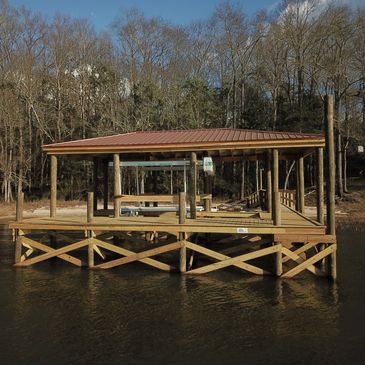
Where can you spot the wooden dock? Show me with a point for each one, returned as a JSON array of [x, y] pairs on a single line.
[[298, 240], [244, 240]]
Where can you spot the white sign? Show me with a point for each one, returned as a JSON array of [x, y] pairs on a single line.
[[242, 230], [360, 149], [208, 164]]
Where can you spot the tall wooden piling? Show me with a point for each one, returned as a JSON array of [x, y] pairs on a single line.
[[106, 184], [182, 218], [301, 185], [95, 182], [193, 184], [276, 206], [90, 203], [19, 218], [268, 183], [53, 198], [330, 180], [117, 185], [330, 165], [319, 185]]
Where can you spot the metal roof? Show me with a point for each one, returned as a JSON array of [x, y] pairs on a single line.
[[147, 140]]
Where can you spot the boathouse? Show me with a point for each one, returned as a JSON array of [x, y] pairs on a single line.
[[277, 238]]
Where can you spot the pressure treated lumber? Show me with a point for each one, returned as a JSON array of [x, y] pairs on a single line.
[[182, 220], [275, 188], [53, 196], [268, 183], [117, 184], [193, 184], [301, 187], [106, 184], [320, 185]]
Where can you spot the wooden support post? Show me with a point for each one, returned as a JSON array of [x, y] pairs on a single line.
[[90, 203], [106, 184], [117, 185], [193, 183], [95, 182], [53, 198], [278, 263], [319, 185], [18, 247], [182, 217], [276, 206], [19, 207], [330, 165], [268, 183], [300, 189]]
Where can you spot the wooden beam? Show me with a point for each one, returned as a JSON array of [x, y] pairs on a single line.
[[234, 260], [106, 183], [140, 255], [304, 265], [53, 253], [19, 207], [53, 198], [330, 165], [193, 184], [222, 257], [295, 257], [117, 185], [125, 252], [301, 250], [276, 205], [44, 248]]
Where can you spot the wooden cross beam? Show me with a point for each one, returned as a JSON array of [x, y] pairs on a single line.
[[221, 257], [300, 250], [125, 252], [307, 263], [295, 257], [140, 255], [50, 252], [234, 260]]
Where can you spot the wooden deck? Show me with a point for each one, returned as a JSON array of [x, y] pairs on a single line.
[[212, 222]]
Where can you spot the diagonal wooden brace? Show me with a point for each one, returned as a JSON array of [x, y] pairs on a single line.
[[304, 265], [221, 257], [293, 256], [140, 255], [301, 250], [50, 252], [125, 252], [234, 260]]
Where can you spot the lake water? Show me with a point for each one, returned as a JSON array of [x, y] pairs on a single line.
[[58, 314]]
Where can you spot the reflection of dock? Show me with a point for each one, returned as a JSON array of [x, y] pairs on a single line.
[[278, 228]]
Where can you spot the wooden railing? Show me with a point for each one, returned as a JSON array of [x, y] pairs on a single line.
[[288, 198], [253, 200]]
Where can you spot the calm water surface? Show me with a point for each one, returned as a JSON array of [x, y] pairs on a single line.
[[57, 314]]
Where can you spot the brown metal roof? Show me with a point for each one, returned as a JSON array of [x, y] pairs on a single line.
[[147, 140]]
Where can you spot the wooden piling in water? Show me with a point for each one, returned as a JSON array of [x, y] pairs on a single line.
[[182, 218], [19, 218]]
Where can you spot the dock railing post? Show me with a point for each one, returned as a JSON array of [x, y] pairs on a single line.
[[182, 218], [19, 218], [90, 206], [330, 179], [268, 183]]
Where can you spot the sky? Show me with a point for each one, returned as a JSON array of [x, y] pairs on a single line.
[[103, 12]]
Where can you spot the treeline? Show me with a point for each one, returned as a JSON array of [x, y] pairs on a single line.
[[61, 80]]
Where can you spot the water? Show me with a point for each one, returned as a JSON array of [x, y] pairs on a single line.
[[58, 314]]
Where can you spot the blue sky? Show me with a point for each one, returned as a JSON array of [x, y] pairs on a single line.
[[101, 13]]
